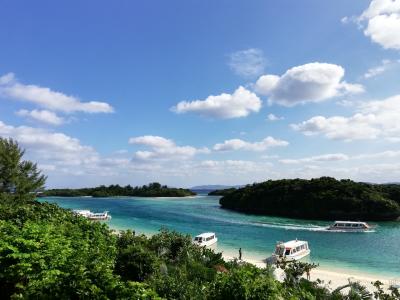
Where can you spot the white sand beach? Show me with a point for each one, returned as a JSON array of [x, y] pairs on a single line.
[[333, 278]]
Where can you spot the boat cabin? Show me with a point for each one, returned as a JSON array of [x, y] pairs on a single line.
[[83, 213], [292, 250], [93, 216], [349, 225], [205, 239]]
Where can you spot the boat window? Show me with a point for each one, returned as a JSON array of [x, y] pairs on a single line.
[[355, 225], [348, 225], [287, 252]]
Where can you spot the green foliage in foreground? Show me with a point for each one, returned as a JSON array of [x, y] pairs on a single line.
[[47, 252], [321, 198], [151, 190]]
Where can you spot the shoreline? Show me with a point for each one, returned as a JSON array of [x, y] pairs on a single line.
[[334, 277]]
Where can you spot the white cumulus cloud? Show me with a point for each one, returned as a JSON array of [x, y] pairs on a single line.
[[238, 144], [317, 158], [228, 167], [247, 63], [385, 65], [272, 118], [373, 119], [152, 141], [44, 116], [44, 97], [49, 147], [382, 19], [357, 127], [312, 82], [163, 149], [224, 106]]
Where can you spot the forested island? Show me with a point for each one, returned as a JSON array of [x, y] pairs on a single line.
[[47, 252], [322, 198], [222, 192], [154, 189]]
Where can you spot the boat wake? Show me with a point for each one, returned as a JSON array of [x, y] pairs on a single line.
[[308, 227], [277, 225], [289, 226]]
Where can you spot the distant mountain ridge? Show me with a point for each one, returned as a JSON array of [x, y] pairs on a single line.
[[213, 187]]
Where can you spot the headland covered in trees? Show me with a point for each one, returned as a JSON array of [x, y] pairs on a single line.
[[322, 198], [47, 252], [222, 192], [154, 189]]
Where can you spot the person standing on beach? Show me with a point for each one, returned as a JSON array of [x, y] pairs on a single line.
[[240, 253], [308, 273]]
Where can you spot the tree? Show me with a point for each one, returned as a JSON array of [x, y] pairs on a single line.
[[18, 178], [155, 186], [355, 291], [133, 261]]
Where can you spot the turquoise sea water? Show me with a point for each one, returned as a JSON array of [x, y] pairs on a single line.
[[376, 252]]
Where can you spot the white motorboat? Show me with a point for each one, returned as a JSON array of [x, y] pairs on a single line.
[[350, 226], [93, 216], [291, 250], [205, 239]]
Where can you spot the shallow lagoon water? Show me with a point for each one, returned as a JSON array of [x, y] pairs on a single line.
[[376, 252]]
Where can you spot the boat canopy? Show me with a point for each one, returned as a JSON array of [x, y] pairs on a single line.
[[205, 236], [294, 244], [349, 224]]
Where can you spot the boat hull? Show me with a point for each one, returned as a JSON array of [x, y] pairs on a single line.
[[347, 230], [298, 256], [99, 218], [207, 243]]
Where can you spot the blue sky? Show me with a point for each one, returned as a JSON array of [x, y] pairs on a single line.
[[202, 92]]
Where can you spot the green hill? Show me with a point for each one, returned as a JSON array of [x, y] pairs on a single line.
[[151, 190], [323, 198]]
